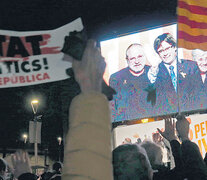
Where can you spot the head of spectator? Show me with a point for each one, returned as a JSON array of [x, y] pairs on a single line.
[[27, 176], [57, 167], [136, 59], [139, 141], [200, 57], [193, 162], [2, 168], [157, 138], [127, 141], [154, 153], [46, 175], [165, 47], [130, 161]]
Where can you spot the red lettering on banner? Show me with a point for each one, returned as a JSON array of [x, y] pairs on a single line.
[[46, 38], [24, 79], [51, 50], [21, 79], [46, 76], [6, 80], [33, 78], [38, 77], [14, 80], [27, 79]]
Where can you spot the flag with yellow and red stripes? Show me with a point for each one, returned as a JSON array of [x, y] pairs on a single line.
[[192, 24]]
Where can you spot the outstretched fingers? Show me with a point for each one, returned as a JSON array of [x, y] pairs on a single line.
[[169, 132], [160, 132]]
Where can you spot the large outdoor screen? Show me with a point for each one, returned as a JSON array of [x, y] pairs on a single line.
[[148, 76]]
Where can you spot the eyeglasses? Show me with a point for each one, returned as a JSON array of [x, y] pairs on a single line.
[[201, 58], [136, 58], [165, 50]]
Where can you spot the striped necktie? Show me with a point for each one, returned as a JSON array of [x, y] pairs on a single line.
[[173, 77]]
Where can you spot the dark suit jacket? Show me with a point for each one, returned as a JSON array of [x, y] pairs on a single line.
[[167, 98], [130, 102]]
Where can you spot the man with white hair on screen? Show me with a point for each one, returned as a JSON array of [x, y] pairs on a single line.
[[200, 57]]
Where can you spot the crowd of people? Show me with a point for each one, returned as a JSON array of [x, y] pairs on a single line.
[[20, 169], [88, 153], [130, 159]]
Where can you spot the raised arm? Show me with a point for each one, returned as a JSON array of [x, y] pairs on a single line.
[[182, 127], [169, 134], [88, 149]]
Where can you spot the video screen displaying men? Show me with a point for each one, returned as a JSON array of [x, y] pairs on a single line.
[[152, 77]]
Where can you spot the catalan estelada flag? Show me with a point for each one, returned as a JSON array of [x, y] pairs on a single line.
[[192, 24]]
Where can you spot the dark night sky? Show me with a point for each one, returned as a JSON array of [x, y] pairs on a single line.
[[103, 19]]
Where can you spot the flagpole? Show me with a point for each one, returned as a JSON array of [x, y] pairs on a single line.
[[178, 74]]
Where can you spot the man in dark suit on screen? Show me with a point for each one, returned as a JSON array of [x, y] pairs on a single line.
[[131, 85], [175, 80]]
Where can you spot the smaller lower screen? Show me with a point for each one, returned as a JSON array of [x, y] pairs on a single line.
[[149, 78], [138, 133]]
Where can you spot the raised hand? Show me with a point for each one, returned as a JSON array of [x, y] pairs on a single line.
[[152, 73], [89, 71], [182, 127], [169, 132], [21, 163], [157, 138]]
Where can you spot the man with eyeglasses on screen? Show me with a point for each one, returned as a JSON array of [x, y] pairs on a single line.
[[175, 79], [200, 57], [131, 85]]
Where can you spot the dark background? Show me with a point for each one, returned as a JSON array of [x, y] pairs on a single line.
[[103, 19]]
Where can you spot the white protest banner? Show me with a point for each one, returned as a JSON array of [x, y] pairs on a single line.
[[34, 57]]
